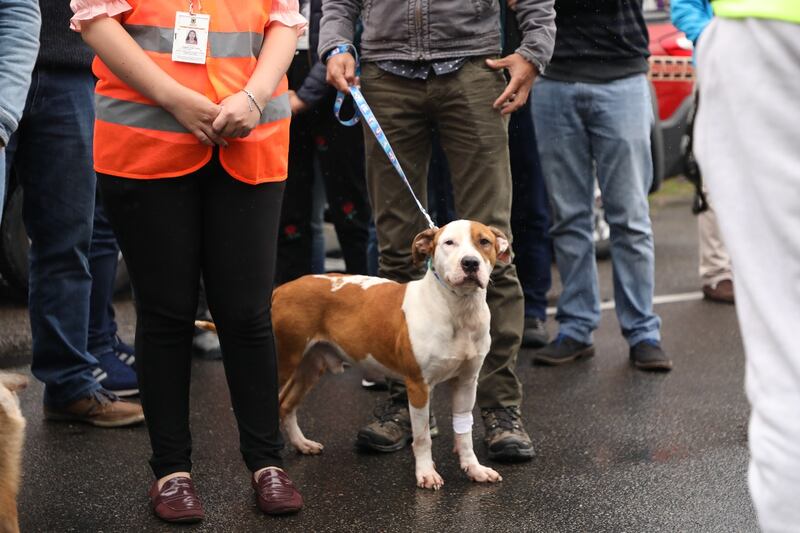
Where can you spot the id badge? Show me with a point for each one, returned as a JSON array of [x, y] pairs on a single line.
[[190, 39]]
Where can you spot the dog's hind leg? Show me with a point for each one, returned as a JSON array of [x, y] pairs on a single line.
[[318, 358]]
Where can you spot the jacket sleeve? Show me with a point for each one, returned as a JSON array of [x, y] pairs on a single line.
[[691, 17], [338, 24], [314, 87], [537, 22], [19, 43]]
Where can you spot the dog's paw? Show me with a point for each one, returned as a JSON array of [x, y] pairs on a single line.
[[429, 479], [308, 447], [482, 474]]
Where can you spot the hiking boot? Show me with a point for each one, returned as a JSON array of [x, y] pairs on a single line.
[[115, 375], [101, 408], [535, 333], [562, 350], [648, 355], [505, 436], [205, 345], [391, 429]]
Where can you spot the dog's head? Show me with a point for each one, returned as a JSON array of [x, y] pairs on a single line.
[[463, 252]]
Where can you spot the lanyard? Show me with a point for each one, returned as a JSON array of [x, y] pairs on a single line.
[[364, 111]]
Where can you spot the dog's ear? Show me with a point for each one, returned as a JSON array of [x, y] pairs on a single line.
[[13, 382], [422, 248], [501, 245]]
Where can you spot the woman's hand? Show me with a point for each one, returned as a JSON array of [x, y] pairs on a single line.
[[237, 117], [197, 114]]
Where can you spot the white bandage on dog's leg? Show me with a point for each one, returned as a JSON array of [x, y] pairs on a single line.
[[462, 422]]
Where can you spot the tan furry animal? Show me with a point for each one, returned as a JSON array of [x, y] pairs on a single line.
[[12, 434]]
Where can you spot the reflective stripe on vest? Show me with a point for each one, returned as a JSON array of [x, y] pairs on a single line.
[[220, 44], [137, 115]]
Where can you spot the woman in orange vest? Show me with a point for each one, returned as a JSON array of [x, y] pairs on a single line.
[[191, 148]]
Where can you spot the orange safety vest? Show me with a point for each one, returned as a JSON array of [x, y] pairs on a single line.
[[135, 138]]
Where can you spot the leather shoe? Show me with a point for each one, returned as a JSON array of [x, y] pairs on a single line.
[[176, 501], [275, 492], [563, 350], [535, 333], [721, 292], [648, 355]]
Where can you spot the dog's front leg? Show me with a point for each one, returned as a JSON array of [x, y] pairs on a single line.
[[464, 389], [419, 410]]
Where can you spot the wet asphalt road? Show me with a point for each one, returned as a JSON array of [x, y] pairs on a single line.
[[618, 450]]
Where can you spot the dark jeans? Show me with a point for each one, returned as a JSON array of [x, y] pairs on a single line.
[[170, 231], [52, 155], [103, 258], [340, 150], [474, 138], [530, 216]]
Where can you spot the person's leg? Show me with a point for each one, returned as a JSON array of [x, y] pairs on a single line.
[[715, 262], [158, 224], [59, 196], [619, 128], [238, 269], [746, 145], [559, 112], [530, 221]]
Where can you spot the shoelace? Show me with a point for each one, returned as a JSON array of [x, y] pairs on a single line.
[[504, 419], [104, 397], [387, 411]]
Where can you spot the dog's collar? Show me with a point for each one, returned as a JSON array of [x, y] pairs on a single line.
[[439, 279]]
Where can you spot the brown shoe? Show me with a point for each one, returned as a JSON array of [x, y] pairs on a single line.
[[721, 292], [505, 436], [275, 492], [101, 408], [176, 501]]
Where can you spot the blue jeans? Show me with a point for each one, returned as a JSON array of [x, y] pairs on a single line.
[[530, 218], [603, 130], [52, 155], [103, 259]]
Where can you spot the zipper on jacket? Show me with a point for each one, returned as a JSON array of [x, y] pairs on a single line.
[[418, 28]]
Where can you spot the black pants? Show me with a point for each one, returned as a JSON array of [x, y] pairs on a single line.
[[170, 231]]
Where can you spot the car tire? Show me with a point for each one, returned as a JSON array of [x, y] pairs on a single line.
[[14, 247]]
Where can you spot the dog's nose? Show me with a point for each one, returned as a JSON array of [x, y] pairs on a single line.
[[470, 264]]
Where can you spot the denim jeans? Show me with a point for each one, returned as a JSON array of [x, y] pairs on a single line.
[[52, 155], [530, 217], [103, 259], [603, 130]]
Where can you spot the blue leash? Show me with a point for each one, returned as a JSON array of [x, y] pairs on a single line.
[[363, 110]]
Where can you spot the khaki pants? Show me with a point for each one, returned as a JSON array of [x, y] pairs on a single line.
[[474, 137], [715, 263]]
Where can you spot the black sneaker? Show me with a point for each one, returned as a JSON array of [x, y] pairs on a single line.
[[535, 333], [562, 350], [648, 355], [391, 429], [505, 436]]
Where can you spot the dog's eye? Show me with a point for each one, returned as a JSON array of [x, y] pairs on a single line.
[[485, 242], [449, 242]]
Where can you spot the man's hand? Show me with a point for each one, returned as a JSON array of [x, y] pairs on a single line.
[[297, 105], [519, 87], [341, 72]]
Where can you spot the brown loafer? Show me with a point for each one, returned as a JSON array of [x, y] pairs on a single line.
[[275, 493], [176, 501]]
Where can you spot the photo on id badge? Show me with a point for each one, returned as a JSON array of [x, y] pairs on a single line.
[[191, 38]]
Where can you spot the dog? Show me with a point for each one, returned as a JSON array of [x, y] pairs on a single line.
[[424, 332], [12, 434]]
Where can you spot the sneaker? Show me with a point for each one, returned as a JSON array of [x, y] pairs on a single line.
[[505, 436], [562, 350], [391, 429], [275, 492], [721, 292], [101, 408], [205, 345], [116, 376], [124, 351], [648, 355], [176, 501], [535, 333]]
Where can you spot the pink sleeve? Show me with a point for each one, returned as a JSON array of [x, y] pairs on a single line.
[[90, 9], [287, 12]]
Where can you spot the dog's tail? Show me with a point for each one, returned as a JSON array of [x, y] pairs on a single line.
[[206, 325]]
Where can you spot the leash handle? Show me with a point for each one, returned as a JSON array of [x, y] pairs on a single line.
[[364, 111]]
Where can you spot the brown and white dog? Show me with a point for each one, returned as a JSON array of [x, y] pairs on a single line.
[[12, 434], [424, 332]]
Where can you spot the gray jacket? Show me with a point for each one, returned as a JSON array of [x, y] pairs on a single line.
[[423, 30]]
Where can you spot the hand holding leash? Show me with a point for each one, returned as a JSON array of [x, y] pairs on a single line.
[[342, 71]]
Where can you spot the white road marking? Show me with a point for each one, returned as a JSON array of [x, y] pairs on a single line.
[[657, 300]]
